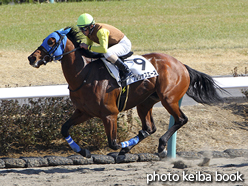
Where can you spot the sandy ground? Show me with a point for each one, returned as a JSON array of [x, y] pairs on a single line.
[[216, 127], [139, 173]]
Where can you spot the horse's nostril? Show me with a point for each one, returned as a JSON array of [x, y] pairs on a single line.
[[31, 59]]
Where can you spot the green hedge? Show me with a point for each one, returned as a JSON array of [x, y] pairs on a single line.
[[37, 124]]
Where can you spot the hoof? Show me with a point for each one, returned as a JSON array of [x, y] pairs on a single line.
[[123, 151], [162, 154], [85, 153], [161, 146], [120, 158]]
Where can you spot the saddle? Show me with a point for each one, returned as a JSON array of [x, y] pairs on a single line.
[[141, 69]]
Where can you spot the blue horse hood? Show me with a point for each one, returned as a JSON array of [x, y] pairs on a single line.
[[58, 50]]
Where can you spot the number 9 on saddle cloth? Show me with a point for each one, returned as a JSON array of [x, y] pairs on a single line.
[[140, 67]]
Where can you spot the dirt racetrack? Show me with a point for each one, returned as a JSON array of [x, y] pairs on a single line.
[[217, 127]]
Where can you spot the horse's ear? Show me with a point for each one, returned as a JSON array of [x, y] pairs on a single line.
[[65, 31], [51, 41]]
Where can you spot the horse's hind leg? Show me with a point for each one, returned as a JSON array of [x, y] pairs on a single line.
[[180, 120], [171, 86], [148, 127]]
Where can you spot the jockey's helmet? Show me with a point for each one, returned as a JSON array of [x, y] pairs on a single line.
[[85, 20]]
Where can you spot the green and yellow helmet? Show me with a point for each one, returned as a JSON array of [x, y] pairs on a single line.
[[85, 20]]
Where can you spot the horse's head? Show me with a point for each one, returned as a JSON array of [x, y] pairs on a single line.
[[51, 49]]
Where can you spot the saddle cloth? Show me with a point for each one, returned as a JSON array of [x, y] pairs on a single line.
[[140, 67]]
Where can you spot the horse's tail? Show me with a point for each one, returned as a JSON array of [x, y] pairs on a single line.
[[203, 88]]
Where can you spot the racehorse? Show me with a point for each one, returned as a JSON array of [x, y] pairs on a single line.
[[94, 92]]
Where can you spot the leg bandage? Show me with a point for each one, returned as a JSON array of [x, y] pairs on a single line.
[[134, 141], [131, 142], [72, 144]]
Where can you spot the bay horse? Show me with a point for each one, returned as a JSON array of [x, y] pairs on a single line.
[[93, 91]]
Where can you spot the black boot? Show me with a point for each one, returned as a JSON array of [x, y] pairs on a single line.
[[126, 73]]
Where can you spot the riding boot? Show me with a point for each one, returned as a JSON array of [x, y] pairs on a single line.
[[126, 73]]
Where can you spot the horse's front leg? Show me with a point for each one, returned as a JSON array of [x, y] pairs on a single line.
[[76, 118], [110, 124]]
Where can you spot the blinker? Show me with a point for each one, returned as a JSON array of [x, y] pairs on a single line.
[[58, 48]]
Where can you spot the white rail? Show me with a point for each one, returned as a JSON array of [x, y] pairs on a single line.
[[34, 92], [62, 90], [232, 82]]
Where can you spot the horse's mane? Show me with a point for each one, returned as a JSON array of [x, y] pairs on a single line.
[[75, 37]]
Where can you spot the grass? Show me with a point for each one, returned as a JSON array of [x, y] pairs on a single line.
[[156, 25]]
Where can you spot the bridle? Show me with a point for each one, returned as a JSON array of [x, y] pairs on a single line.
[[49, 55]]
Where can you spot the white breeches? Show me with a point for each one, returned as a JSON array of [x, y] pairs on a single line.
[[120, 49]]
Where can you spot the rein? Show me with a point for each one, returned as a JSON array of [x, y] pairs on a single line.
[[66, 53], [78, 87]]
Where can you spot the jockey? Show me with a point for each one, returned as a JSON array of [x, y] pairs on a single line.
[[112, 42]]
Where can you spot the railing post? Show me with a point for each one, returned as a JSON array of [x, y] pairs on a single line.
[[172, 143]]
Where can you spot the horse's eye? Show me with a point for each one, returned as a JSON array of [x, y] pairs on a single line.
[[50, 41]]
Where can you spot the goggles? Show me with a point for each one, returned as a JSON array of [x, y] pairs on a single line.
[[83, 29]]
